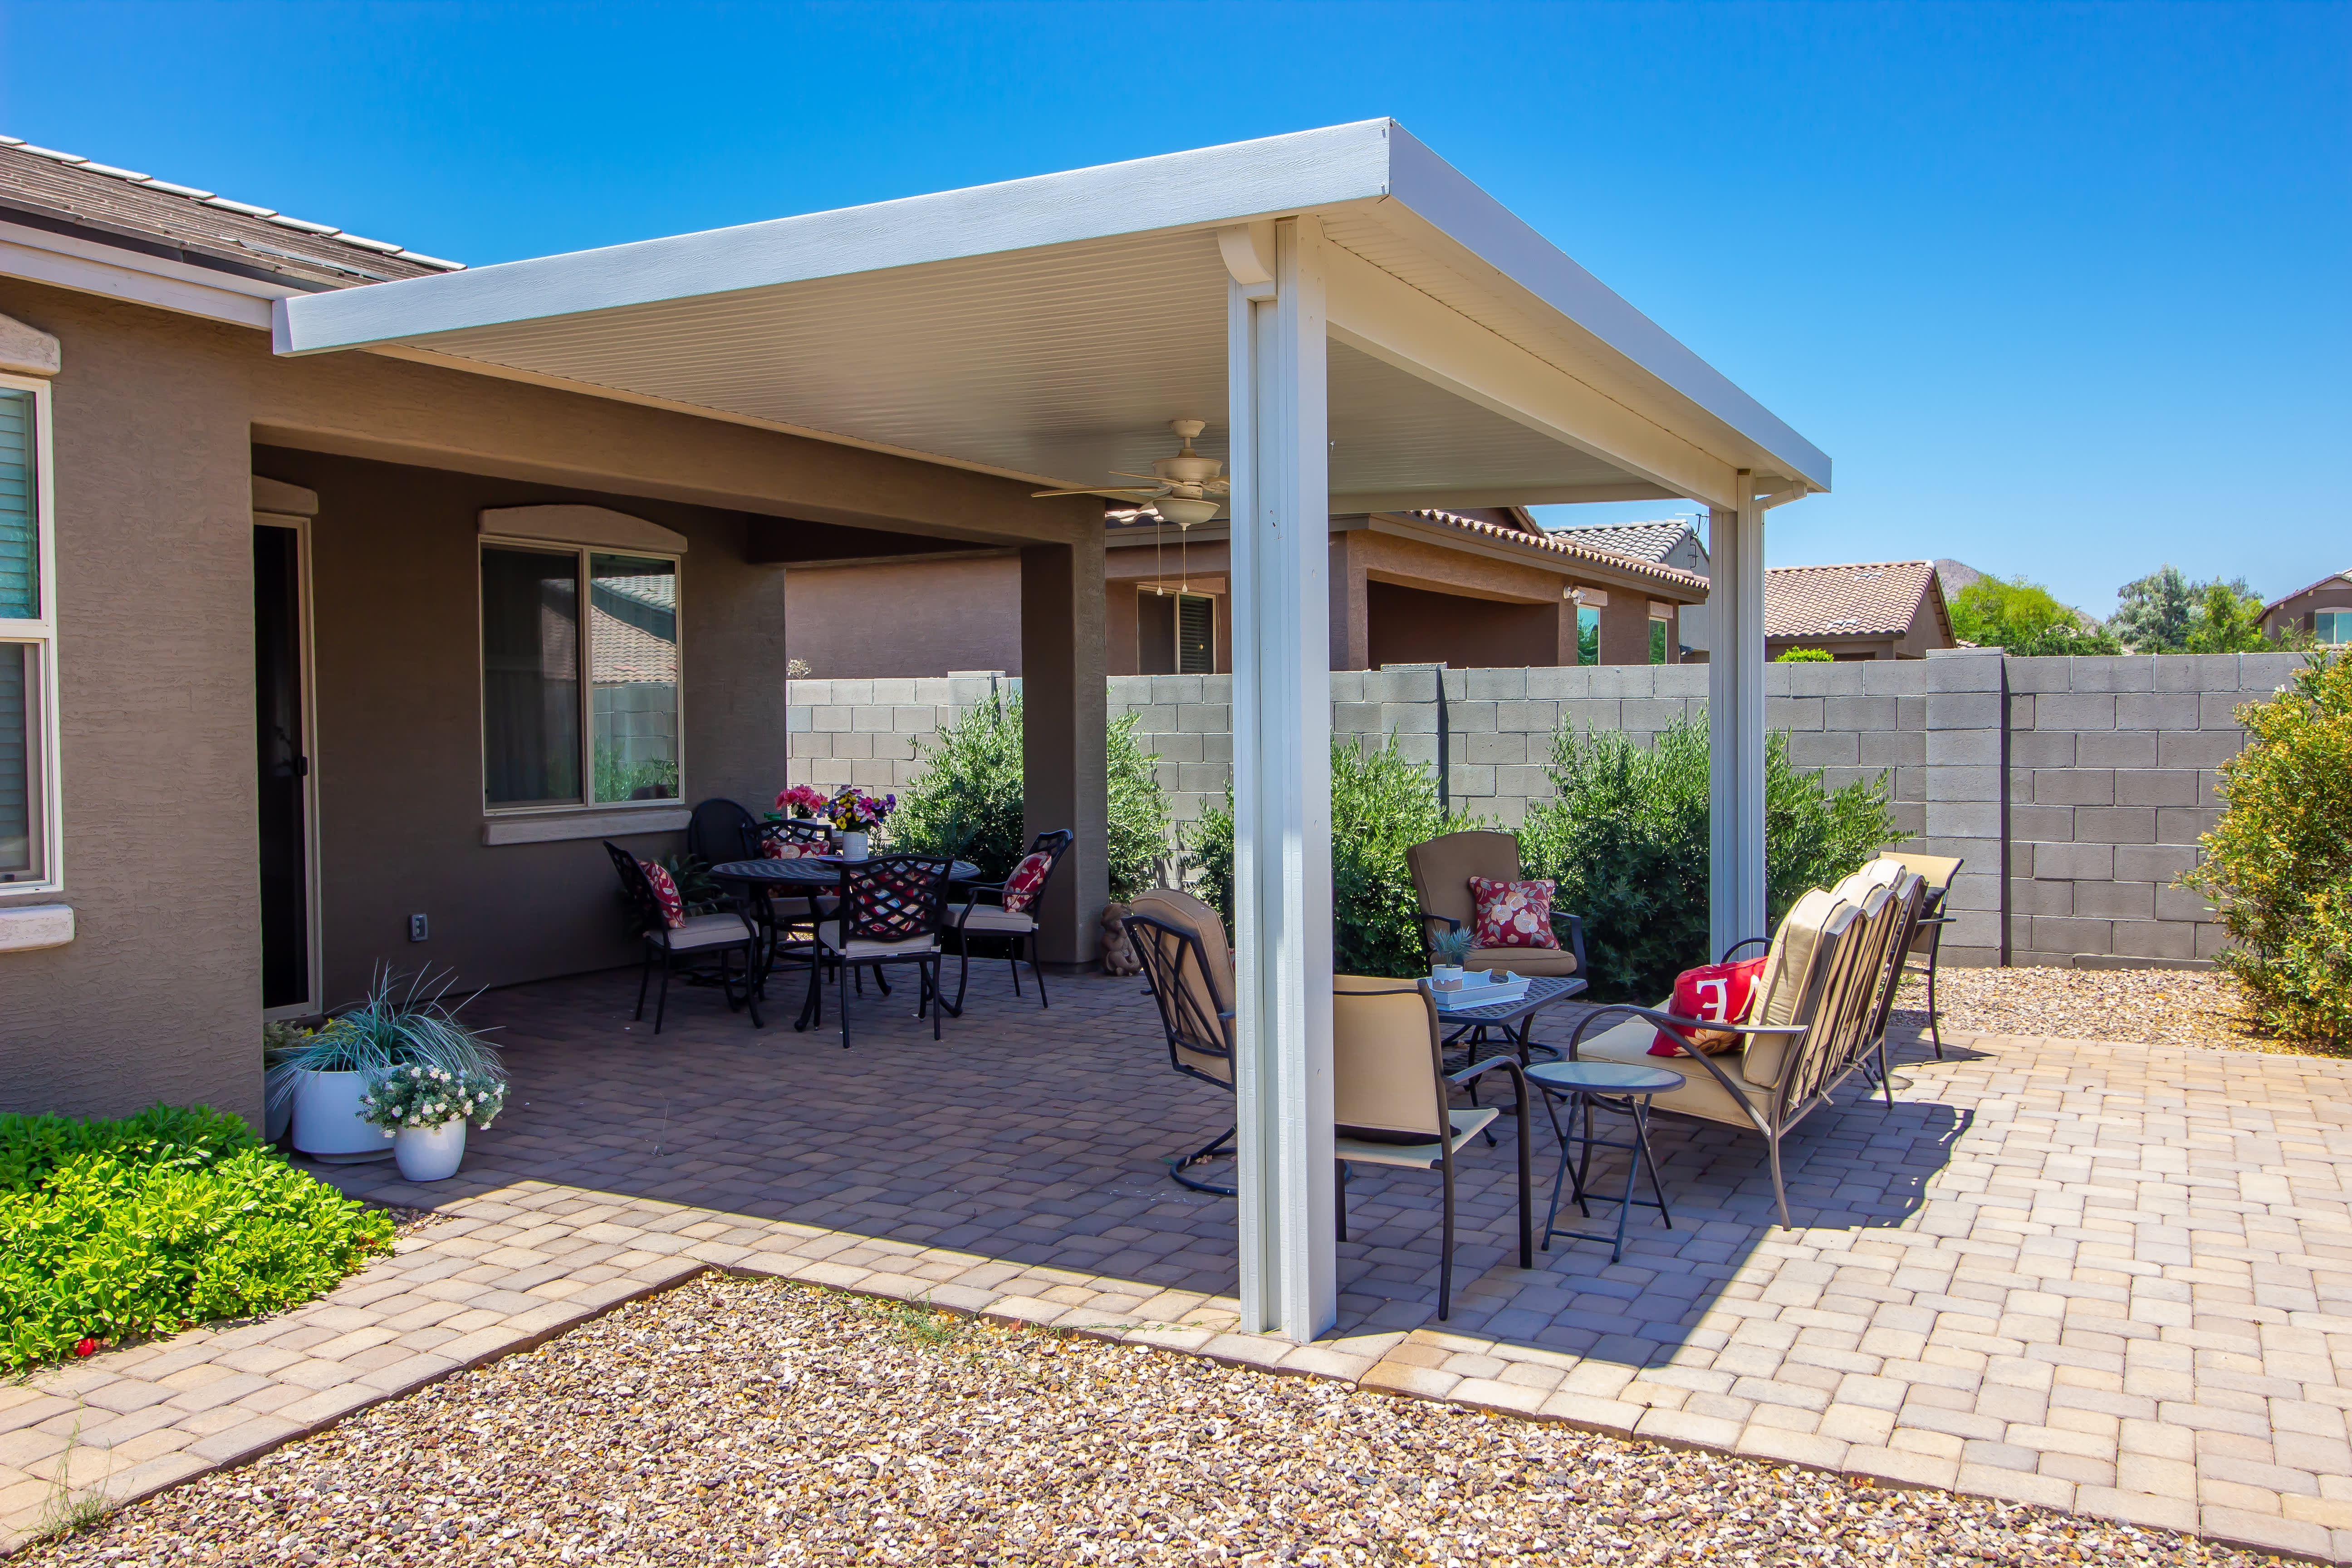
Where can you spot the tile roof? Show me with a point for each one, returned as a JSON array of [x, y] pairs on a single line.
[[45, 188], [1874, 598], [1649, 540], [2344, 575], [1569, 549]]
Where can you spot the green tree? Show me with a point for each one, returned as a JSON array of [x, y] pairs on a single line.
[[2228, 620], [2153, 612], [2024, 617]]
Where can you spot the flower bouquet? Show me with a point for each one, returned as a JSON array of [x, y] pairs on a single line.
[[802, 801], [854, 814], [424, 1110]]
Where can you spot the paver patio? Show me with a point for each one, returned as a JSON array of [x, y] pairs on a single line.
[[2110, 1277]]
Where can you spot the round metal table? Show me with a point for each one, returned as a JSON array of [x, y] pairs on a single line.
[[1588, 1085]]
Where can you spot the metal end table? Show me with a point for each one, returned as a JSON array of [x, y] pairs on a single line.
[[1622, 1086]]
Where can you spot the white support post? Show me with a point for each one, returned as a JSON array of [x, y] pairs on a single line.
[[1282, 778], [1735, 717]]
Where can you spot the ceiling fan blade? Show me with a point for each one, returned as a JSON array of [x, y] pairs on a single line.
[[1094, 490], [1123, 474]]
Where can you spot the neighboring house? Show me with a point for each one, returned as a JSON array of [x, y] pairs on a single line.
[[1882, 609], [1668, 542], [1474, 587], [2324, 609]]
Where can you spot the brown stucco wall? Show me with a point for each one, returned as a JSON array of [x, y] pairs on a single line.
[[907, 618], [1412, 625], [157, 418]]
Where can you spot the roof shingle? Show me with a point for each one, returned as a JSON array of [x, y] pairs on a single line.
[[1876, 598], [1570, 549], [1649, 540]]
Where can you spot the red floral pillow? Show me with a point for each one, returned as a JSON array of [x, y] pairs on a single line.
[[1717, 992], [1028, 880], [788, 849], [1512, 914], [673, 907]]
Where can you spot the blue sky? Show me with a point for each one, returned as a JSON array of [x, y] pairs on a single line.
[[2061, 288]]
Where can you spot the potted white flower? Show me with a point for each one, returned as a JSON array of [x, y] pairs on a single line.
[[325, 1077], [424, 1110]]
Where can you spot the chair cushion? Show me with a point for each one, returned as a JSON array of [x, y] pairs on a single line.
[[1550, 963], [1938, 870], [1442, 868], [988, 917], [1513, 913], [696, 932], [828, 936], [1781, 990], [1028, 881], [1701, 1094], [1467, 1124]]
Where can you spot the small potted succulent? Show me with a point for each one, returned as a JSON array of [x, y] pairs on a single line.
[[1447, 949], [854, 816], [424, 1110]]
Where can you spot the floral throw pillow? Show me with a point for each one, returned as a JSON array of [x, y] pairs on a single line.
[[788, 849], [1512, 914], [1028, 880], [673, 907]]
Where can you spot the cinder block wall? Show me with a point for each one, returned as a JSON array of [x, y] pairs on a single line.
[[2110, 764]]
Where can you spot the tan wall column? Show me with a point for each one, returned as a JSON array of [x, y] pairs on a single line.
[[1351, 615], [1063, 701]]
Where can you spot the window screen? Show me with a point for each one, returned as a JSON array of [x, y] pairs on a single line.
[[530, 677], [16, 760], [20, 534], [1196, 635]]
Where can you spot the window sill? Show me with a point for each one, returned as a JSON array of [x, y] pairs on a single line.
[[29, 927], [584, 824]]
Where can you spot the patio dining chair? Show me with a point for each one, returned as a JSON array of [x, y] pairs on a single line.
[[1013, 918], [1180, 943], [889, 914], [1389, 1095], [720, 830], [702, 939], [1822, 1001], [1936, 872]]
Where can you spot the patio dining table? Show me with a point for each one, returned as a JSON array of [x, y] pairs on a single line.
[[806, 877], [1516, 1019]]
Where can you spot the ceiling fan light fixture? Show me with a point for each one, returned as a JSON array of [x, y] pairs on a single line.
[[1184, 513]]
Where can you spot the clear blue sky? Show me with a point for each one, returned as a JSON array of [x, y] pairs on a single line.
[[2061, 288]]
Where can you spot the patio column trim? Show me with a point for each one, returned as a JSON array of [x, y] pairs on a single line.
[[1282, 787], [1735, 704]]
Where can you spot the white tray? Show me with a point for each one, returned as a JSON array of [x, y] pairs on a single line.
[[1471, 997]]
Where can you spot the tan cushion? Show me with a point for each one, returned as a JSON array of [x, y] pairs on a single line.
[[1384, 1056], [1185, 912], [1701, 1095], [1441, 870], [700, 931], [988, 917], [1936, 871], [828, 936], [1551, 962], [1467, 1124], [1781, 990]]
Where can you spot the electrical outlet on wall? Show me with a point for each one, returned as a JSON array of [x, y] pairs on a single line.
[[417, 929]]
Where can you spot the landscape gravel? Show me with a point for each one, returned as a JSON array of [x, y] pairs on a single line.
[[749, 1420], [2151, 1006]]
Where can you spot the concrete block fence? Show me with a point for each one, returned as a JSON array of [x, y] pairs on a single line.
[[2075, 788]]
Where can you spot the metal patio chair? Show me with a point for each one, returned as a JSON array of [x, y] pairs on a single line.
[[1937, 871], [1389, 1093], [889, 914], [702, 938], [1442, 868], [720, 830], [1017, 928], [1180, 943]]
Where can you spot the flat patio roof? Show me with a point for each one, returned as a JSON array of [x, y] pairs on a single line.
[[1047, 329]]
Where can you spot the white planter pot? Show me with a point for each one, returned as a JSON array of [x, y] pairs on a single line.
[[850, 846], [430, 1153], [1446, 977], [327, 1123]]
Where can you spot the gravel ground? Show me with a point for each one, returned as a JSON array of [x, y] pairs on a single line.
[[2153, 1007], [753, 1421]]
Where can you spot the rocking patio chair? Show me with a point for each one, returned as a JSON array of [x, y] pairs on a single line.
[[1180, 943]]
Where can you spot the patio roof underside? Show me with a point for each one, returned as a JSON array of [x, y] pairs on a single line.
[[1063, 364]]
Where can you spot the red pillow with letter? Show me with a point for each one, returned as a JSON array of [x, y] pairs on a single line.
[[673, 907], [1717, 993], [1512, 914], [1028, 879]]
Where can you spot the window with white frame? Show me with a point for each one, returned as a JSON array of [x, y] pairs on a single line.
[[551, 615], [29, 735]]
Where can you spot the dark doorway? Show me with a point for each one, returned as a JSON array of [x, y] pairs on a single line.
[[284, 767]]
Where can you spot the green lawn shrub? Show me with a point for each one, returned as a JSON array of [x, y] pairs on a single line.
[[1807, 656], [1625, 837], [968, 800], [145, 1226], [2278, 865], [1381, 802]]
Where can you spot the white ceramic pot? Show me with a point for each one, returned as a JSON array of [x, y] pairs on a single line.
[[430, 1153], [1446, 977], [850, 846], [327, 1123]]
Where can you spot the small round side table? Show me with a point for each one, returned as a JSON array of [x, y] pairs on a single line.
[[1625, 1088]]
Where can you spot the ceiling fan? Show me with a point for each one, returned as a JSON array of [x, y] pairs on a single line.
[[1183, 489]]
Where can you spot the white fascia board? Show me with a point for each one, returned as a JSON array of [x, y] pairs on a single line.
[[1307, 170], [1439, 194], [89, 268]]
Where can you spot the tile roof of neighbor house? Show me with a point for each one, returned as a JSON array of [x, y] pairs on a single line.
[[47, 189], [1649, 540], [1572, 549], [1872, 598]]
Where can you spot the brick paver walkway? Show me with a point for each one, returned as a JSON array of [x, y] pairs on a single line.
[[2115, 1278]]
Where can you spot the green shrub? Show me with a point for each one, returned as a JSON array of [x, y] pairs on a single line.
[[1381, 802], [1806, 656], [1625, 837], [111, 1229], [2278, 865], [968, 800]]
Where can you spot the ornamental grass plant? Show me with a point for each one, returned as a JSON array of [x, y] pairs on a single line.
[[111, 1230], [2278, 865]]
